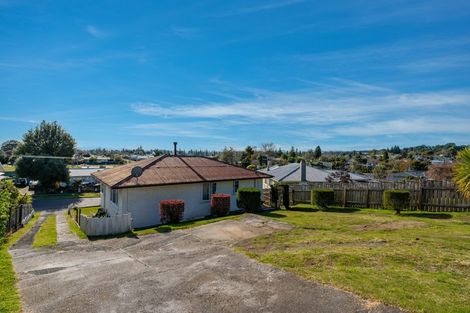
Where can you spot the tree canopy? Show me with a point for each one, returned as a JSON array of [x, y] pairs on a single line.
[[48, 139], [52, 143]]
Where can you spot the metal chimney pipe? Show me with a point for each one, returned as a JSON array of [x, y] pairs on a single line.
[[174, 148], [303, 171]]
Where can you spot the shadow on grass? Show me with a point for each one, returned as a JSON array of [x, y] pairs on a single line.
[[340, 210], [439, 216], [303, 209], [272, 214], [127, 235]]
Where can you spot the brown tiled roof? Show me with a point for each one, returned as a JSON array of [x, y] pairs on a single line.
[[167, 170]]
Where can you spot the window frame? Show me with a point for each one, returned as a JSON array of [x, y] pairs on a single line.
[[208, 189], [236, 186], [114, 196]]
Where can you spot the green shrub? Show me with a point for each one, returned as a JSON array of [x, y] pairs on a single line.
[[171, 211], [4, 209], [220, 204], [249, 198], [322, 197], [397, 200]]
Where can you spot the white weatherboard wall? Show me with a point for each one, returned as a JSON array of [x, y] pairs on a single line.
[[102, 226], [143, 203]]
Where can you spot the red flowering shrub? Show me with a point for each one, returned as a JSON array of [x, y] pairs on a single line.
[[220, 204], [171, 211]]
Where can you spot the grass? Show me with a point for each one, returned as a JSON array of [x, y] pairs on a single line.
[[47, 234], [9, 298], [66, 195], [74, 228], [424, 267], [183, 225]]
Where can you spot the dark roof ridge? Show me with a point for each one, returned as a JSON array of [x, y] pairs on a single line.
[[157, 159], [191, 168]]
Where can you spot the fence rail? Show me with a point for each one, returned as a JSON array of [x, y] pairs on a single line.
[[18, 217], [433, 196]]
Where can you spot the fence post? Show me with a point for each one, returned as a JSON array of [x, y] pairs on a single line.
[[344, 196], [420, 198], [367, 197]]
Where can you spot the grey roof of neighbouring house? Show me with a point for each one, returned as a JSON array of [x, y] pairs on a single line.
[[83, 172], [291, 173]]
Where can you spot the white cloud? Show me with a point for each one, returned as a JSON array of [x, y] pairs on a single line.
[[348, 102], [18, 119], [407, 126], [96, 32], [262, 7]]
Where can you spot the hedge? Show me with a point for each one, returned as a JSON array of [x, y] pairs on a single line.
[[249, 198], [220, 204], [397, 200], [171, 211], [322, 197]]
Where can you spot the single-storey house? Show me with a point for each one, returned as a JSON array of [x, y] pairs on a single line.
[[83, 174], [301, 172], [138, 188]]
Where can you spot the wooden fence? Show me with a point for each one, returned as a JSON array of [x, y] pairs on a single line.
[[19, 216], [103, 226], [433, 196]]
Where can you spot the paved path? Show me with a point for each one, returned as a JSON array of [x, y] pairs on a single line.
[[60, 204], [178, 271], [63, 231]]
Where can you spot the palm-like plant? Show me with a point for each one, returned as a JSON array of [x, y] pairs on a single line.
[[462, 172]]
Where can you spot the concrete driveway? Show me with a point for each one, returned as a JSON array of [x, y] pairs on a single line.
[[191, 270], [60, 204]]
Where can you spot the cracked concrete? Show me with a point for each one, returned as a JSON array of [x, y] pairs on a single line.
[[182, 271]]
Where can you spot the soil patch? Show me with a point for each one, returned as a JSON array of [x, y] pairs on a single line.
[[389, 226]]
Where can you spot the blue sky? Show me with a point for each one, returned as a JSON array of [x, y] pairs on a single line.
[[209, 74]]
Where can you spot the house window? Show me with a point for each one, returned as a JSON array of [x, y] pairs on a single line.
[[207, 190], [114, 196], [236, 184]]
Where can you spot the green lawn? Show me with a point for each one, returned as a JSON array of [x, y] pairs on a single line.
[[417, 261], [47, 234], [66, 195], [88, 211], [182, 225], [9, 297]]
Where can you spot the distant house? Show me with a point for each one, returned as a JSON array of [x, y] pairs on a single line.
[[190, 178], [83, 174], [298, 172], [406, 175]]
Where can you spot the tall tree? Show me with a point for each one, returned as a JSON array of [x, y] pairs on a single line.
[[43, 153], [247, 156], [227, 155], [9, 146], [317, 153], [462, 172], [48, 139]]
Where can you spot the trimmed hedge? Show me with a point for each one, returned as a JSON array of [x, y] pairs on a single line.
[[322, 197], [397, 200], [171, 211], [249, 198], [220, 204]]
